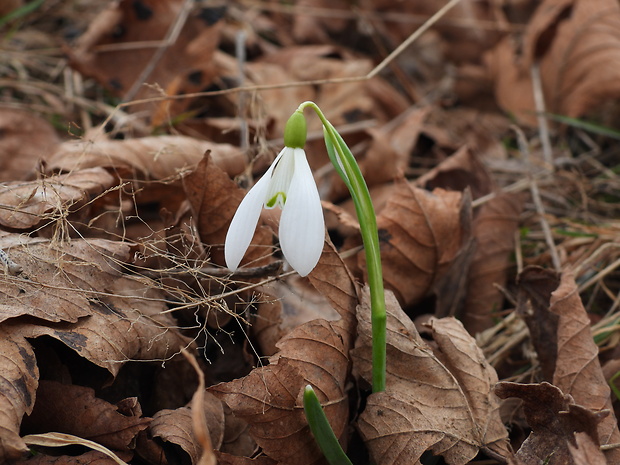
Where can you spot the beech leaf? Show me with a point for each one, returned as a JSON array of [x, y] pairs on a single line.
[[439, 400]]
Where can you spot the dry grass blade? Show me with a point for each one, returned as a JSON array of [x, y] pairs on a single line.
[[62, 440]]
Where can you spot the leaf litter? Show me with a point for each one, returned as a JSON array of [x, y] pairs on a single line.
[[130, 132]]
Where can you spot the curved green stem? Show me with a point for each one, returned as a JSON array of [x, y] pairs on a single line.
[[345, 164], [322, 430]]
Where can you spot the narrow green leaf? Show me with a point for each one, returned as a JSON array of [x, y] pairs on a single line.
[[322, 430]]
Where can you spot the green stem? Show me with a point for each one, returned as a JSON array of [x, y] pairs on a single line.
[[345, 164], [322, 430]]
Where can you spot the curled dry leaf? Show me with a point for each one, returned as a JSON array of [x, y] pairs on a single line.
[[420, 234], [26, 140], [316, 353], [554, 419], [494, 232], [578, 370], [560, 326], [104, 316], [19, 377], [577, 44], [26, 204], [175, 426], [161, 157], [439, 400], [98, 420]]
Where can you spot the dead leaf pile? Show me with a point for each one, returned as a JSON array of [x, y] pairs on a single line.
[[131, 130]]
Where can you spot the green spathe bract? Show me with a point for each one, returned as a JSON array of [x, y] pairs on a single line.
[[295, 131]]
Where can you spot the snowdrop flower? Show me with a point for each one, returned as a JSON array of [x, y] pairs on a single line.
[[289, 184]]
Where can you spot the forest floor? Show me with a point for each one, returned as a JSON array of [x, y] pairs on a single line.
[[487, 133]]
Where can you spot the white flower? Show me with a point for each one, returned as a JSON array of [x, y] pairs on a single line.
[[289, 184]]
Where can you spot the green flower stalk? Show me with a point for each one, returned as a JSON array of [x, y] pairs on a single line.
[[345, 164]]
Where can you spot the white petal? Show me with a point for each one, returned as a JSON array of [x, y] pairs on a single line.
[[302, 227], [284, 168], [244, 222]]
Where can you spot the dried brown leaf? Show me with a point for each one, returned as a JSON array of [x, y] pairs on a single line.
[[75, 410], [462, 170], [420, 234], [161, 157], [26, 140], [26, 204], [534, 293], [334, 281], [270, 398], [577, 44], [175, 426], [561, 333], [19, 377], [105, 316], [554, 419], [494, 232], [437, 400], [99, 53], [578, 370], [580, 63], [53, 279], [62, 439], [89, 458]]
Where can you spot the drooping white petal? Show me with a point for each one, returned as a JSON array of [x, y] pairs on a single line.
[[302, 228], [244, 222], [284, 168]]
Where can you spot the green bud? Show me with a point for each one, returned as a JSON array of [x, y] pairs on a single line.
[[295, 131]]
